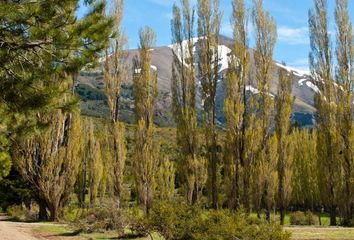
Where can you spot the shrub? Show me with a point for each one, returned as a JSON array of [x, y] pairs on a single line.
[[20, 213], [301, 218], [101, 219], [178, 221]]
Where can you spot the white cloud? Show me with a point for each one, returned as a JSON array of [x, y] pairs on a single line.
[[293, 36]]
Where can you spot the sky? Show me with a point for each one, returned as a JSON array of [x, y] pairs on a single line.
[[290, 15]]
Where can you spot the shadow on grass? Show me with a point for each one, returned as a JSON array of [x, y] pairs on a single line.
[[70, 234]]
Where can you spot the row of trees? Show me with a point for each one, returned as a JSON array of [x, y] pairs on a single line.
[[264, 161], [259, 161]]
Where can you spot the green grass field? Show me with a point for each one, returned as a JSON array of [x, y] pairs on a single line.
[[321, 233], [298, 233]]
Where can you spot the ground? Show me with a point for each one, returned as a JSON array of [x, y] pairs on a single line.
[[48, 231]]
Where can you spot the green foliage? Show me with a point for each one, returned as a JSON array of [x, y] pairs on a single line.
[[180, 221], [183, 88], [146, 151], [89, 93], [5, 159]]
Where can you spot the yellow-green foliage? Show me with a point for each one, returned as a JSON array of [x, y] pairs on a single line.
[[146, 151], [284, 102], [234, 108], [183, 89], [165, 179], [209, 19], [180, 221], [305, 182], [51, 160], [94, 161], [345, 114], [114, 75], [321, 65], [266, 36]]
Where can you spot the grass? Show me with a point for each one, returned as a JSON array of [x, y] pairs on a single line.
[[64, 230], [298, 233], [321, 233]]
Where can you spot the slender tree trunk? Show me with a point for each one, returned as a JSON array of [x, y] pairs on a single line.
[[281, 194], [236, 188], [214, 187], [195, 192], [246, 192], [333, 220]]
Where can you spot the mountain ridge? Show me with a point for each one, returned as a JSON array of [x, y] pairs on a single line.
[[94, 102]]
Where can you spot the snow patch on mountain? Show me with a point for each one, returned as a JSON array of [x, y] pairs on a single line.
[[313, 87], [182, 55], [224, 53], [153, 67], [138, 70], [252, 89], [301, 81], [295, 71]]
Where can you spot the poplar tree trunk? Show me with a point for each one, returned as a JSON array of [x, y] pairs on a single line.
[[43, 215]]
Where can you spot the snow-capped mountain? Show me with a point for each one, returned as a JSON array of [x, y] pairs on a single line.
[[90, 86]]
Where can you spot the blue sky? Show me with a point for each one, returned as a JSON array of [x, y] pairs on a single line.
[[290, 15]]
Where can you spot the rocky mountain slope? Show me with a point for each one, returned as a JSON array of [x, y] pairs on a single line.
[[90, 86]]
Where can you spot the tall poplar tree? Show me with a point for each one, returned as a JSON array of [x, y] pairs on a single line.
[[345, 115], [209, 18], [146, 151], [50, 160], [235, 108], [284, 102], [115, 73], [265, 35], [321, 63], [184, 99], [94, 161], [305, 189]]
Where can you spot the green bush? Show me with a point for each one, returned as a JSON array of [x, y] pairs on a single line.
[[302, 218], [178, 221]]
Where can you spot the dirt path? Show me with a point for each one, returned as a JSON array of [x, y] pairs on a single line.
[[27, 231], [15, 231]]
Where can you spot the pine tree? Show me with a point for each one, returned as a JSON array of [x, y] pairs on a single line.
[[266, 35], [235, 107], [115, 73], [146, 152], [184, 99], [321, 69], [41, 42], [209, 18], [284, 102], [344, 75]]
